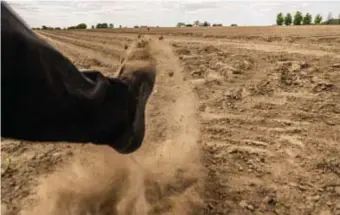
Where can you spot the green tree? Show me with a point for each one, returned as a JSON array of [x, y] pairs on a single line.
[[279, 19], [111, 25], [298, 18], [317, 19], [92, 26], [288, 19], [307, 19], [206, 24], [101, 25], [81, 26], [180, 24], [44, 27]]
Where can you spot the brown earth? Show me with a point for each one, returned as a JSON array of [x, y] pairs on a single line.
[[234, 126]]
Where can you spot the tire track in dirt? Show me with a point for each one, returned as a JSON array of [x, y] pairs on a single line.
[[164, 177]]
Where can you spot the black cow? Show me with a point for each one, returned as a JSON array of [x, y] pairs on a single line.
[[46, 98]]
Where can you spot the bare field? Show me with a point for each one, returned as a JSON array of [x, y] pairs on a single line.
[[237, 124], [268, 34], [301, 31]]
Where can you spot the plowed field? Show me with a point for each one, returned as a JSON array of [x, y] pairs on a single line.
[[243, 122]]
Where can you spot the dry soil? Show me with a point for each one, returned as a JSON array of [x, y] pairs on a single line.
[[238, 123]]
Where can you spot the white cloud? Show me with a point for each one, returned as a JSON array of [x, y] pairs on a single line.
[[264, 10], [304, 4]]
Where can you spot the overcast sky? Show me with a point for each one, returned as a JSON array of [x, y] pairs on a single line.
[[163, 13]]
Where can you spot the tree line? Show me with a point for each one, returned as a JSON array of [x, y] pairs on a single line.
[[300, 19], [197, 23], [79, 26], [103, 25]]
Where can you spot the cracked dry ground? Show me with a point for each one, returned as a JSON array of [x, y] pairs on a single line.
[[269, 123]]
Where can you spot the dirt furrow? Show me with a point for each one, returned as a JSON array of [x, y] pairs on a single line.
[[113, 36], [109, 34], [73, 53], [113, 52], [311, 49], [114, 42], [85, 58], [322, 35]]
